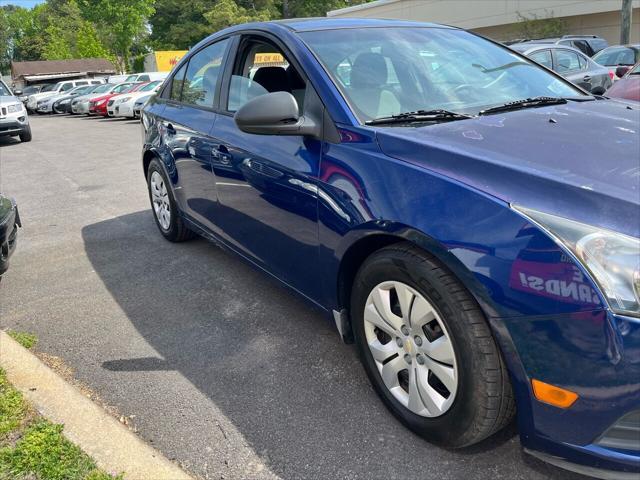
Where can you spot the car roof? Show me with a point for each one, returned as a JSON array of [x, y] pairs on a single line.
[[323, 23]]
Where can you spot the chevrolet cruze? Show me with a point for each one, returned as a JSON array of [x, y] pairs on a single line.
[[468, 218]]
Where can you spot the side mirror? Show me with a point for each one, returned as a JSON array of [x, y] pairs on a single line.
[[622, 70], [275, 114], [598, 90], [17, 93]]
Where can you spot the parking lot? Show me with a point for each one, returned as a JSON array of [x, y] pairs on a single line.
[[218, 366]]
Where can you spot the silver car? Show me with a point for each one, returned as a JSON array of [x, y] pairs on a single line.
[[14, 120], [80, 104], [569, 62]]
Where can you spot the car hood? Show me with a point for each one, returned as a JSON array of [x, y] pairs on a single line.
[[578, 160], [7, 99]]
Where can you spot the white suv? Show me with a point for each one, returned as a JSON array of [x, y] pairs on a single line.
[[14, 120], [58, 88]]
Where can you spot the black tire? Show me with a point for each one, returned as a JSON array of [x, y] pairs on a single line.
[[484, 401], [25, 135], [177, 231]]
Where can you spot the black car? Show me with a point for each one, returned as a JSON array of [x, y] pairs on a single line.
[[9, 223]]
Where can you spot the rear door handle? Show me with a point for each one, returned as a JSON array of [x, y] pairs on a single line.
[[587, 78]]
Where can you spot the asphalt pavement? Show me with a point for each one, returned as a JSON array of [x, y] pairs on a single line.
[[220, 367]]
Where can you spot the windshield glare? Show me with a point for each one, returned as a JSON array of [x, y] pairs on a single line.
[[384, 72]]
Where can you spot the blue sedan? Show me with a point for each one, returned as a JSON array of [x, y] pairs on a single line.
[[468, 219]]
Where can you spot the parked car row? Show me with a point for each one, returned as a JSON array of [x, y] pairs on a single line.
[[123, 99], [73, 96]]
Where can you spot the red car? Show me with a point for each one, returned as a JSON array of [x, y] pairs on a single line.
[[98, 105], [628, 87]]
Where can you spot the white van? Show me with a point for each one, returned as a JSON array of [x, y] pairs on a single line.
[[57, 88], [146, 77]]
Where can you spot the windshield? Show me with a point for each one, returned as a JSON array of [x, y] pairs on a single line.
[[387, 71], [29, 90], [49, 88], [103, 88], [131, 78], [150, 86], [615, 56], [4, 90]]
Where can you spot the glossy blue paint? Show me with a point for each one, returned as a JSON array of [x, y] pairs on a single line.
[[300, 207]]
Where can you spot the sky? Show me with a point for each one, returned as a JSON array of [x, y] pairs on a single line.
[[21, 3]]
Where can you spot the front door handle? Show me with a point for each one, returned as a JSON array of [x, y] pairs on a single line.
[[587, 78]]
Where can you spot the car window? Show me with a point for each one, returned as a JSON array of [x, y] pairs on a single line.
[[4, 90], [203, 71], [582, 45], [143, 78], [131, 78], [121, 88], [543, 57], [66, 86], [82, 83], [176, 83], [95, 82], [103, 88], [566, 61], [615, 56], [262, 68]]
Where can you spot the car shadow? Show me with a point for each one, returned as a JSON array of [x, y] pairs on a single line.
[[7, 141], [270, 361]]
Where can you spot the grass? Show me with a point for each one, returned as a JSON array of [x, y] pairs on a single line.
[[34, 448], [27, 340]]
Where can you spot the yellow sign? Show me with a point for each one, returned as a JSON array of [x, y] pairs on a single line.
[[268, 58], [166, 60]]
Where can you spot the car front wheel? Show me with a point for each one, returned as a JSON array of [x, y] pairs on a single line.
[[164, 207], [25, 135], [428, 349]]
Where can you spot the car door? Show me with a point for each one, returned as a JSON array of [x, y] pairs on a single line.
[[267, 184], [543, 57], [567, 63], [185, 125]]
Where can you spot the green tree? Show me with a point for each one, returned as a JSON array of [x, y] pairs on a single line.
[[535, 26], [174, 27], [120, 23], [58, 46], [227, 12]]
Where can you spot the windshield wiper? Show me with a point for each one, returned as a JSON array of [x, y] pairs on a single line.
[[419, 116], [525, 103]]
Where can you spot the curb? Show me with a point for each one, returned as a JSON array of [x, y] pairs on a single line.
[[112, 445]]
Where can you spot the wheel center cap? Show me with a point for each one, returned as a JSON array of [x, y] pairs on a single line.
[[408, 346]]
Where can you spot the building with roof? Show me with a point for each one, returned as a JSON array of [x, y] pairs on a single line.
[[48, 71], [498, 19]]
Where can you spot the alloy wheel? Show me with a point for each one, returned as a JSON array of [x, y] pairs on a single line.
[[411, 348]]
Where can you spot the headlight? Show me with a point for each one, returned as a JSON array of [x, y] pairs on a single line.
[[122, 100], [16, 107], [612, 258], [101, 102], [65, 101]]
